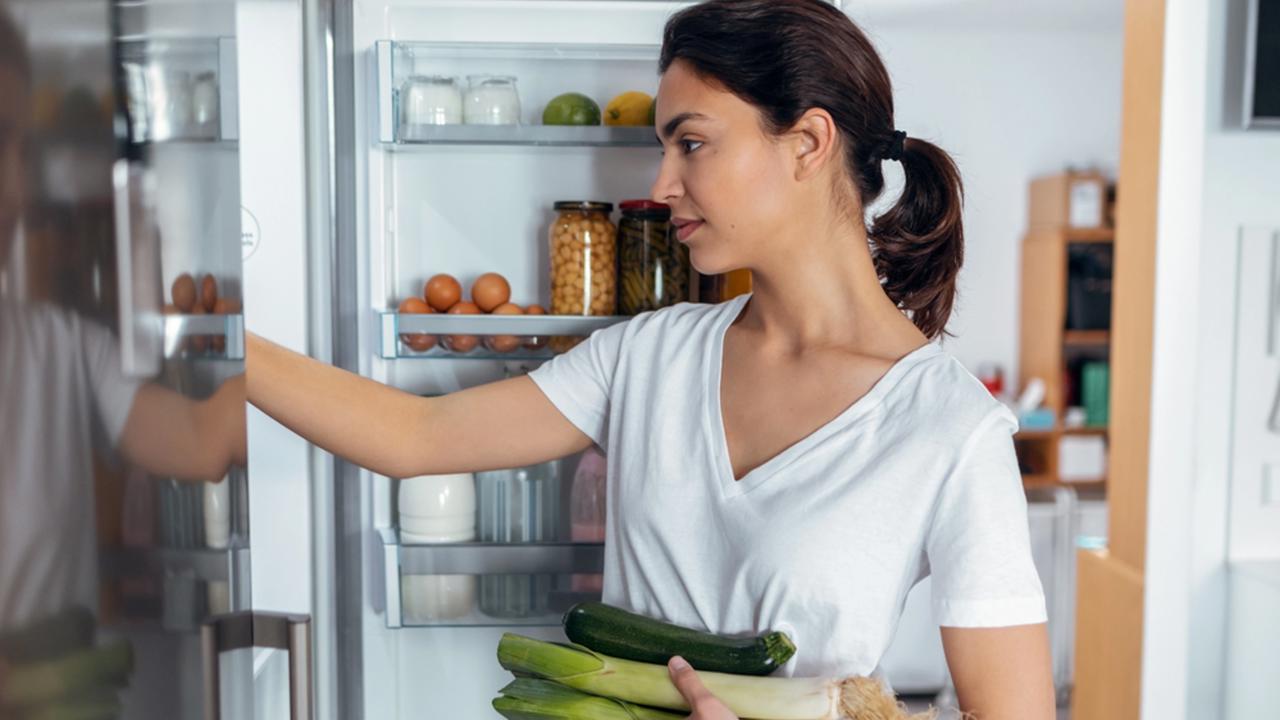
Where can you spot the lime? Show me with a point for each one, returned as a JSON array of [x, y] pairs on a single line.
[[571, 109]]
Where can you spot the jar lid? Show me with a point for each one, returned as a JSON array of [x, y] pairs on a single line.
[[591, 205], [643, 205]]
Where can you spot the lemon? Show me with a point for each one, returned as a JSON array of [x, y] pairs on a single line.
[[629, 108]]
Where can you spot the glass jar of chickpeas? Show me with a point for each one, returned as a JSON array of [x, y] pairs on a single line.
[[584, 259]]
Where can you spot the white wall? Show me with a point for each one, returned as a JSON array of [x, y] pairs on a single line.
[[1215, 180], [1009, 105]]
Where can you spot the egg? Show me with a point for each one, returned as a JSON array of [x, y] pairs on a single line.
[[418, 342], [504, 343], [490, 290], [184, 292], [208, 292], [463, 343], [442, 292], [535, 342]]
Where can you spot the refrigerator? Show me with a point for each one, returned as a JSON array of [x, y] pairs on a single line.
[[123, 292]]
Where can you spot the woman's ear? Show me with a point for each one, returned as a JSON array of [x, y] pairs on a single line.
[[812, 139]]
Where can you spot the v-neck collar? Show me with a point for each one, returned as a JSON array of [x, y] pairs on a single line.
[[714, 416]]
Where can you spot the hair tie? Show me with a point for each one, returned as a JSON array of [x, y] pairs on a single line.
[[895, 147]]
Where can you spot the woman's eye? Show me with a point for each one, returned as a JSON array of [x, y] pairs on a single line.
[[689, 145]]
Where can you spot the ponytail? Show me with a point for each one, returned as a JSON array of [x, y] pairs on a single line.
[[918, 244]]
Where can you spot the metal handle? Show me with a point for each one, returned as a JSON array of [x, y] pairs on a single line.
[[137, 270], [238, 631]]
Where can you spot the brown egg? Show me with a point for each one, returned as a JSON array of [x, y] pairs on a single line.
[[504, 343], [208, 292], [184, 292], [442, 292], [535, 342], [170, 309], [463, 343], [490, 290], [419, 342]]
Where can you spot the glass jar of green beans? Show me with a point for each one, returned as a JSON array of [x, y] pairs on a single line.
[[653, 266]]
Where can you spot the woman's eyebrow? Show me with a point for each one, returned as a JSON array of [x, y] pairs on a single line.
[[674, 123]]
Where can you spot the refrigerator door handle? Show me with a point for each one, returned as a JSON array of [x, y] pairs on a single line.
[[241, 630], [137, 269]]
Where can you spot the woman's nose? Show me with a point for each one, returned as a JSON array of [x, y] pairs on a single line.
[[666, 187]]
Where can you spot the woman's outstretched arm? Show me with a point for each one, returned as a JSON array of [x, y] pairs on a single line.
[[509, 423]]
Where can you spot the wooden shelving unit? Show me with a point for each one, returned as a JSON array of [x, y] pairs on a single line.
[[1046, 344]]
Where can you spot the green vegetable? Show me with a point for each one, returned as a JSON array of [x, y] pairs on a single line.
[[760, 698], [51, 680], [625, 635], [526, 699], [49, 637]]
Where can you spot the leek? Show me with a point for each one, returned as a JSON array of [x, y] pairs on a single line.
[[758, 698], [527, 699]]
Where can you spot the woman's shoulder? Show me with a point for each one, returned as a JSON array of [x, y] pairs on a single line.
[[943, 396]]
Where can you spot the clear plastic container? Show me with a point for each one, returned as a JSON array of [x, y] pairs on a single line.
[[518, 506], [429, 100], [653, 266], [491, 100]]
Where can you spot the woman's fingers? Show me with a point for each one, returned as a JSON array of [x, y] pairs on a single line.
[[702, 703]]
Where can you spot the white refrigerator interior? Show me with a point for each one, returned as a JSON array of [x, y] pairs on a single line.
[[465, 210]]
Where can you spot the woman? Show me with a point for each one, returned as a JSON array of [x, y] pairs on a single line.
[[795, 459]]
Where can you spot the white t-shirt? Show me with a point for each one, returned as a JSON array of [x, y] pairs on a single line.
[[61, 386], [822, 541]]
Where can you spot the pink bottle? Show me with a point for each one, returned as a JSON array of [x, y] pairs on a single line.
[[587, 510]]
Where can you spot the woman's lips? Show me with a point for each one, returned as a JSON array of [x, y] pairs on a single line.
[[685, 228]]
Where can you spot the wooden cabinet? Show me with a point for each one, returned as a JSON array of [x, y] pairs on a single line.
[[1050, 351]]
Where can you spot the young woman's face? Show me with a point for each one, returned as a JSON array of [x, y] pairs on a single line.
[[728, 182]]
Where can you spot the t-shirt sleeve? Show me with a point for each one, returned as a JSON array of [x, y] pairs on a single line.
[[979, 545], [580, 381], [113, 392]]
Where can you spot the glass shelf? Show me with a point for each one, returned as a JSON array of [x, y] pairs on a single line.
[[201, 564], [204, 337], [489, 562], [423, 136], [542, 71], [526, 327]]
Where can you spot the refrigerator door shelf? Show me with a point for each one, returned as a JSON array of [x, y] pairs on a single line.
[[416, 137], [560, 559], [181, 90], [205, 337], [532, 329], [542, 71]]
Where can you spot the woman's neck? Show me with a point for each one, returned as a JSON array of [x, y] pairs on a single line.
[[821, 290]]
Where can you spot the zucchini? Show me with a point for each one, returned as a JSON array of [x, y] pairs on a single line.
[[615, 632]]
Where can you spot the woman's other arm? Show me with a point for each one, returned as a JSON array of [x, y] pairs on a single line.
[[1002, 673]]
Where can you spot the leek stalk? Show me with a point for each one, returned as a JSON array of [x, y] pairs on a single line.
[[757, 698], [530, 699]]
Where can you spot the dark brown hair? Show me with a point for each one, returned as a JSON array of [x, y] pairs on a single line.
[[786, 57]]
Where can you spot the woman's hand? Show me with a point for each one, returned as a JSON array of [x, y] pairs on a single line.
[[704, 705]]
